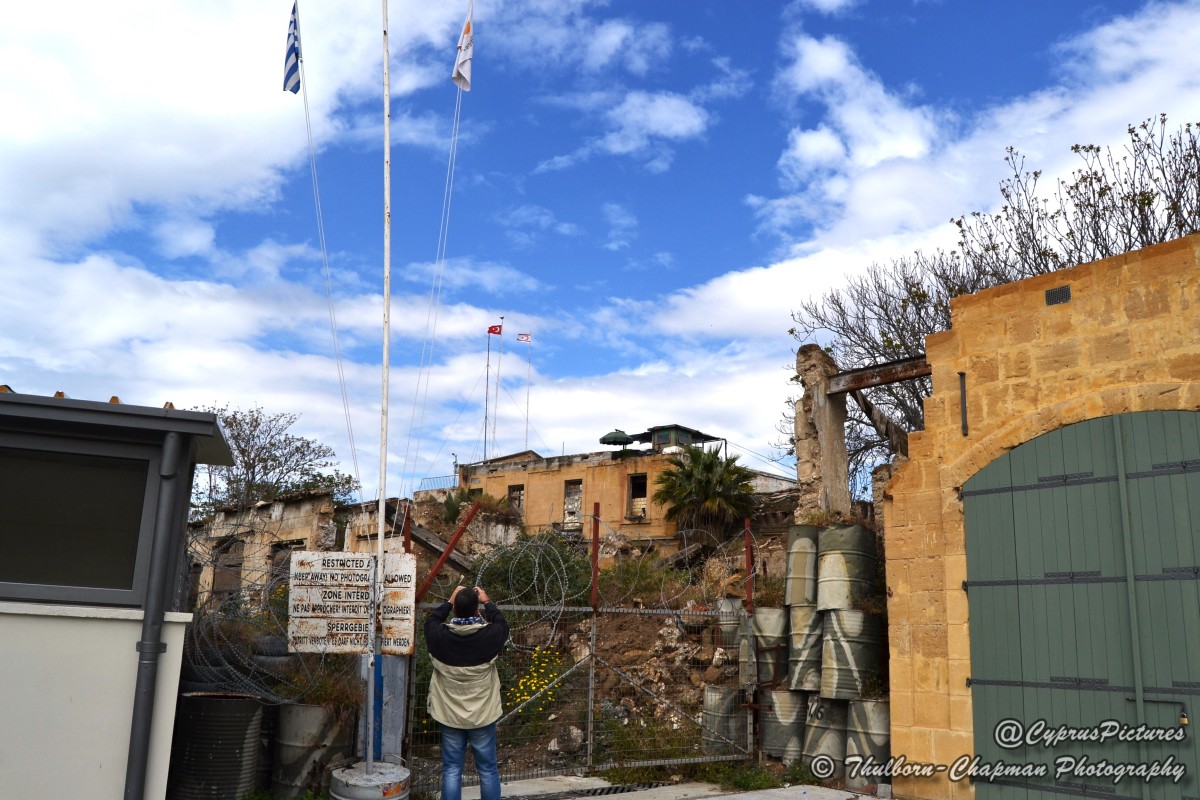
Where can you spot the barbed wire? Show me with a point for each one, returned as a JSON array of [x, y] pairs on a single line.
[[240, 567], [237, 642], [548, 576]]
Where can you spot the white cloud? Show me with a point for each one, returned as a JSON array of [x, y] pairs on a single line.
[[827, 6], [876, 164], [809, 151], [526, 223], [730, 82], [487, 276], [643, 116], [561, 37], [178, 238], [640, 125], [622, 226], [868, 200], [101, 116]]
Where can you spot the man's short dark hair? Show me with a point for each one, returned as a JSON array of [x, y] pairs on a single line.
[[466, 603]]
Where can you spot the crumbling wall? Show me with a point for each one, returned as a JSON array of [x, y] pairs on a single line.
[[820, 437]]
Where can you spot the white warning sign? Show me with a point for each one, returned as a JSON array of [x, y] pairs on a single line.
[[329, 602]]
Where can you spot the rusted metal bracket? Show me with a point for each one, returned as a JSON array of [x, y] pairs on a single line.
[[878, 375]]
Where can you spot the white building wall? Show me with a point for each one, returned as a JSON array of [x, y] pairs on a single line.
[[66, 690]]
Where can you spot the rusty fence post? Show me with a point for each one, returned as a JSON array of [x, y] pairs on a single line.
[[462, 527]]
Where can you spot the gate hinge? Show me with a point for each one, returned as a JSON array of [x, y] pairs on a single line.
[[968, 682], [965, 584]]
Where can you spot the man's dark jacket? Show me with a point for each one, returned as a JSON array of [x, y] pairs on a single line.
[[464, 691]]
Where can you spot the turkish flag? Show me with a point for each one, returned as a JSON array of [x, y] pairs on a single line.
[[495, 329]]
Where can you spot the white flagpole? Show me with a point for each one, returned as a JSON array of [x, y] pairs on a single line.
[[487, 373], [528, 378], [499, 355], [372, 656]]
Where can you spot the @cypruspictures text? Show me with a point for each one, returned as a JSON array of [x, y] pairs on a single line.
[[1012, 733]]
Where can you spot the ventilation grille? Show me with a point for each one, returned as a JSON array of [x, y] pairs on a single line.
[[1057, 295]]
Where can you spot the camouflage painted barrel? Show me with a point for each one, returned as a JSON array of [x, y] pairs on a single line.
[[852, 654], [846, 566], [801, 585], [805, 643], [724, 721], [868, 735], [770, 627], [825, 733], [729, 624], [747, 664], [783, 715]]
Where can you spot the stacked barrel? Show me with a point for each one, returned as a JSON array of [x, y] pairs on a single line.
[[836, 652]]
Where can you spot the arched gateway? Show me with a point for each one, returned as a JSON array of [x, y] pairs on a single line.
[[1043, 536], [1083, 585]]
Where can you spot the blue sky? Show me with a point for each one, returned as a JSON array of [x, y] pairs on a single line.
[[649, 188]]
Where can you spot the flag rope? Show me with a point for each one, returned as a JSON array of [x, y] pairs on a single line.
[[302, 80], [425, 366]]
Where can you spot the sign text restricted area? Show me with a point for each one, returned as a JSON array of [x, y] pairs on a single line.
[[329, 603]]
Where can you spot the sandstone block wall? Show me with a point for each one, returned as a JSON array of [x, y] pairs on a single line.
[[1128, 340]]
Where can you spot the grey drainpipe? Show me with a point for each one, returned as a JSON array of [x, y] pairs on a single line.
[[151, 644]]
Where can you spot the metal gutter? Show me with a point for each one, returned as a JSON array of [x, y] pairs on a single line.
[[151, 644]]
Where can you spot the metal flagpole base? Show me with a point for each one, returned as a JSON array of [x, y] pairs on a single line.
[[385, 780]]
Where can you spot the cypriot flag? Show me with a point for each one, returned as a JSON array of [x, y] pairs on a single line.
[[466, 48]]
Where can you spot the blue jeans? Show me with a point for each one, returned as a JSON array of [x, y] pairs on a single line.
[[454, 753]]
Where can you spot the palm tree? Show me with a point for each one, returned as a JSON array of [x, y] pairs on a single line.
[[702, 490]]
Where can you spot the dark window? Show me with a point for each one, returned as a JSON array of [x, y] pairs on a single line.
[[227, 568], [516, 497], [637, 497], [70, 519]]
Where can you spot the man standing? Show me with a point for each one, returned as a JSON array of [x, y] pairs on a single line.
[[464, 692]]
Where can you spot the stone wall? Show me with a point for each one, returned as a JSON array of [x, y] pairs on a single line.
[[1126, 341], [605, 480]]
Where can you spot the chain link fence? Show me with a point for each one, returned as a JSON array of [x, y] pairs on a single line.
[[648, 677]]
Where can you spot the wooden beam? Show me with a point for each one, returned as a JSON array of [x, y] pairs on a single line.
[[878, 375]]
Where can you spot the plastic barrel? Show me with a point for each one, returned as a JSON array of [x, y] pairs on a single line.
[[770, 627], [805, 642], [852, 653], [825, 733], [309, 738], [801, 585], [214, 750], [783, 717], [868, 735], [846, 566], [724, 721], [386, 781], [729, 624]]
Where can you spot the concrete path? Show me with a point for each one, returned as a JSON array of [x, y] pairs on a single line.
[[568, 787]]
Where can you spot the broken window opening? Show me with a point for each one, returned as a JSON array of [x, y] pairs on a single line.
[[572, 505], [636, 507]]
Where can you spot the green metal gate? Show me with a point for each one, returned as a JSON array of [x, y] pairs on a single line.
[[1083, 581]]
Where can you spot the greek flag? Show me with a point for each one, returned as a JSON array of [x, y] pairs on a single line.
[[291, 63]]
